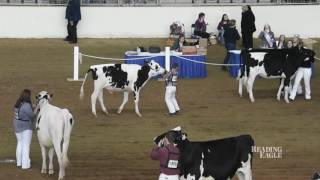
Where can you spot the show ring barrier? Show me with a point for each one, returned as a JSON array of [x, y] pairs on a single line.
[[77, 59]]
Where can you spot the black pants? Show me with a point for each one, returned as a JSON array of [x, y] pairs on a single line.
[[247, 40], [72, 31], [202, 34]]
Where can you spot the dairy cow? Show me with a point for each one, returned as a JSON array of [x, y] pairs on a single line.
[[120, 77], [271, 63], [216, 159]]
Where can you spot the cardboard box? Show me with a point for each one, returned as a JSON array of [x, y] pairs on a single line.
[[203, 42], [202, 51], [188, 50]]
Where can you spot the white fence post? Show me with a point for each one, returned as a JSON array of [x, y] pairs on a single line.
[[167, 59], [76, 63]]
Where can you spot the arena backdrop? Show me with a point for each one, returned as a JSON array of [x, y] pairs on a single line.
[[117, 147]]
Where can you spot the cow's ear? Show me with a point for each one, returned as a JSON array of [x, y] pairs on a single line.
[[36, 96]]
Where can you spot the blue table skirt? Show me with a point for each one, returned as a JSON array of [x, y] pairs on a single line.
[[187, 69], [234, 59]]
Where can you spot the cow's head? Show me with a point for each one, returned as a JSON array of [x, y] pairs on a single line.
[[155, 68], [43, 96], [179, 136]]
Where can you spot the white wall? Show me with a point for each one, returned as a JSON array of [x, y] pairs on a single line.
[[124, 22]]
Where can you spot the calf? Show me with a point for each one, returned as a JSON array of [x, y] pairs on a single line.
[[120, 77], [54, 126], [217, 159], [271, 63]]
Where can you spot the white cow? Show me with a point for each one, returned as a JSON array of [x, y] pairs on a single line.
[[54, 126], [120, 77]]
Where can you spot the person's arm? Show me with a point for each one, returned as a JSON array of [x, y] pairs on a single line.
[[219, 26], [157, 153]]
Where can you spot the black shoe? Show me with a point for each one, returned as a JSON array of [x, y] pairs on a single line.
[[177, 112], [66, 39], [171, 114]]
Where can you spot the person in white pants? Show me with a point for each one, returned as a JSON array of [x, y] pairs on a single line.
[[23, 125], [304, 72], [171, 79]]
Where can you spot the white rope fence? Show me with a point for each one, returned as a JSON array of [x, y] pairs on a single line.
[[77, 58]]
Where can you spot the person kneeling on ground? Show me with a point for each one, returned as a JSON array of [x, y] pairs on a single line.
[[231, 35], [168, 155], [171, 79]]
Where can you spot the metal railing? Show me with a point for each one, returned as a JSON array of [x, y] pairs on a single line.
[[158, 2]]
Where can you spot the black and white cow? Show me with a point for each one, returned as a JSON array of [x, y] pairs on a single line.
[[271, 63], [215, 160], [120, 77]]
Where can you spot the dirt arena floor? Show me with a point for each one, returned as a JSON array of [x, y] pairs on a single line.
[[117, 147]]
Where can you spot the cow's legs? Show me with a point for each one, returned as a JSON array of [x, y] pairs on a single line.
[[100, 98], [240, 86], [94, 96], [244, 172], [44, 159], [57, 148], [250, 86], [136, 103], [280, 89], [51, 154], [124, 102]]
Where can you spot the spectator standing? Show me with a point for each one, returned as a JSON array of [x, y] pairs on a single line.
[[267, 38], [281, 44], [231, 35], [168, 155], [222, 26], [73, 15], [23, 125], [248, 26]]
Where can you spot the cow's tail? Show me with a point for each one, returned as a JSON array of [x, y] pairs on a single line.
[[84, 80], [68, 124]]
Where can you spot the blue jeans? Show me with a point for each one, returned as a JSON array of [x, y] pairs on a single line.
[[221, 38], [229, 46]]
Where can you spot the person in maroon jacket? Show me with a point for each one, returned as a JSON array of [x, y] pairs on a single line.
[[168, 155]]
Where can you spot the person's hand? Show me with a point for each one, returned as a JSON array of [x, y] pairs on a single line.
[[71, 23]]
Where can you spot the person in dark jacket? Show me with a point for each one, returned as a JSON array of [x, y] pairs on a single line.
[[304, 72], [248, 27], [73, 15], [168, 155], [23, 125], [231, 35]]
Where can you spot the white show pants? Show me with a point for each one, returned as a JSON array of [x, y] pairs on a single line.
[[23, 148], [170, 98], [168, 177], [304, 73]]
